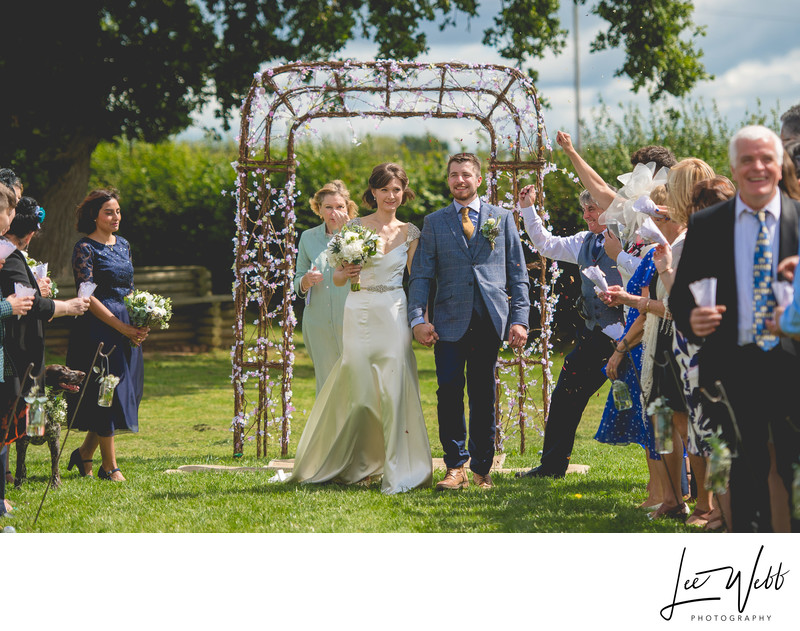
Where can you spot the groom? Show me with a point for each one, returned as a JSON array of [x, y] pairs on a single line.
[[481, 299]]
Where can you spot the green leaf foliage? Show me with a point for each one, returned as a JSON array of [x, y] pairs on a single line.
[[172, 209]]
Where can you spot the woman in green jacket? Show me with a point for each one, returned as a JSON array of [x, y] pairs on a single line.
[[324, 301]]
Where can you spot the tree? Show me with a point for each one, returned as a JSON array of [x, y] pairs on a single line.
[[77, 73]]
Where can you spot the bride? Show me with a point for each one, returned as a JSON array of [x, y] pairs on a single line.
[[367, 419]]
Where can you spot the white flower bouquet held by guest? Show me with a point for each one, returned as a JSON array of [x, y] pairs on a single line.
[[149, 310]]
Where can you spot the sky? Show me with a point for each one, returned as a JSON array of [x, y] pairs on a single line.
[[752, 49]]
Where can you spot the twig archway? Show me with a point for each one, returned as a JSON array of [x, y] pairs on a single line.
[[282, 104]]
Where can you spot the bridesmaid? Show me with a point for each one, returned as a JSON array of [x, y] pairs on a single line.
[[104, 258], [324, 310]]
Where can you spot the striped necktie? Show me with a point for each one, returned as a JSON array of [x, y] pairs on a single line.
[[763, 299], [466, 222]]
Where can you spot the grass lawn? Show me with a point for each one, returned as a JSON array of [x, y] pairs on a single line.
[[185, 419]]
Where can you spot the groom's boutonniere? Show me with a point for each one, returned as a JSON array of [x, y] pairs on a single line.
[[490, 229]]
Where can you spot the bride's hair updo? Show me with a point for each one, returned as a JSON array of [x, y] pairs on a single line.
[[381, 176], [336, 187]]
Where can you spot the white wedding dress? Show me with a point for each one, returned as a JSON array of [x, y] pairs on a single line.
[[367, 419]]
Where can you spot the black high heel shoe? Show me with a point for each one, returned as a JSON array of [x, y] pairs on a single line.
[[75, 461], [106, 476]]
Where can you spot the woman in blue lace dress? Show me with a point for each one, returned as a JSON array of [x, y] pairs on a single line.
[[103, 258]]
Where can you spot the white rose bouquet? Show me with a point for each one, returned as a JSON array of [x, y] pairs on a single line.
[[146, 309], [355, 245]]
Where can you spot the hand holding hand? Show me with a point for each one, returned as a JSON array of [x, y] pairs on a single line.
[[20, 305], [517, 336], [565, 141], [612, 245], [788, 266], [615, 296], [705, 320], [527, 196], [425, 334]]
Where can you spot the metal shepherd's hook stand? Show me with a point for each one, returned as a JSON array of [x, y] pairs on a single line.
[[722, 397], [97, 353]]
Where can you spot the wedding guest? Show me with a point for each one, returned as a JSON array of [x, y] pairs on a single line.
[[739, 242], [789, 183], [324, 301], [104, 258], [680, 184], [24, 336], [793, 150], [581, 374], [790, 125], [9, 306], [14, 183], [623, 427], [651, 330], [627, 255]]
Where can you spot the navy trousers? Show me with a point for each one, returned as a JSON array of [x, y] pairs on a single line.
[[581, 376], [477, 351], [761, 387]]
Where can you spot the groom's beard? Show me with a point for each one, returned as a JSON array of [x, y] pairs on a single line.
[[464, 196]]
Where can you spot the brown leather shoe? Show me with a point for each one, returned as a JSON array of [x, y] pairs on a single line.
[[454, 479], [482, 481]]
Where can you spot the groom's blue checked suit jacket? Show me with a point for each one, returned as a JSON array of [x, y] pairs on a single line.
[[500, 273]]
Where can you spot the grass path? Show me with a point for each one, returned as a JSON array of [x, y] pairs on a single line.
[[185, 419]]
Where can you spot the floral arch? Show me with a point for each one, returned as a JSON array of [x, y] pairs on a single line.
[[282, 105]]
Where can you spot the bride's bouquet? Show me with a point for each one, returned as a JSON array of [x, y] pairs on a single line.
[[146, 309], [353, 244]]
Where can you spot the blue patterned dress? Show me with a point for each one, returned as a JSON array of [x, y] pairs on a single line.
[[111, 268], [631, 426]]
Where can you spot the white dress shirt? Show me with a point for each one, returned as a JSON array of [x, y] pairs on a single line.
[[745, 234], [559, 248]]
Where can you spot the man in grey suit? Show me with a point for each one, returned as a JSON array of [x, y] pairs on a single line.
[[473, 252]]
